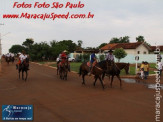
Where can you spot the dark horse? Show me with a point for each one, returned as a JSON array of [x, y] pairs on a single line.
[[8, 59], [63, 70], [124, 66], [12, 59], [98, 70], [24, 68], [114, 70]]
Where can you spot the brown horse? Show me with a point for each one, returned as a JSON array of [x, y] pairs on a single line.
[[113, 71], [124, 66], [63, 70], [24, 68], [99, 70], [12, 59], [8, 59]]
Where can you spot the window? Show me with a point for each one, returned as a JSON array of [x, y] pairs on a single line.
[[145, 52], [138, 52]]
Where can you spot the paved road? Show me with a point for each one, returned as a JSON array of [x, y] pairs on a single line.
[[55, 100]]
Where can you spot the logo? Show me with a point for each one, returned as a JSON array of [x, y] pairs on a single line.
[[17, 112]]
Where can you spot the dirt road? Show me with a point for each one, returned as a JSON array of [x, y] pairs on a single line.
[[55, 100]]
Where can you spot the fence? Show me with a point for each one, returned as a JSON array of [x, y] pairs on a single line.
[[130, 58]]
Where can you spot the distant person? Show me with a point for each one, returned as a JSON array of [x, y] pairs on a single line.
[[12, 55], [8, 55], [160, 67], [142, 70], [138, 72], [146, 70], [93, 62]]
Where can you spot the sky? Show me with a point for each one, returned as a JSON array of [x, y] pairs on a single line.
[[112, 18]]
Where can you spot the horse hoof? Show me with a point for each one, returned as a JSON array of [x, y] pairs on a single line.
[[83, 83]]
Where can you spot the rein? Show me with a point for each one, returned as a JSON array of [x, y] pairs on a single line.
[[98, 68]]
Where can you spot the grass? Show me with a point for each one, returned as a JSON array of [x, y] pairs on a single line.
[[75, 67], [152, 65], [41, 62]]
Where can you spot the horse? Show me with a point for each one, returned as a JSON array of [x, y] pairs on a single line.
[[121, 66], [63, 70], [23, 67], [8, 59], [12, 59], [124, 66], [113, 71], [98, 70]]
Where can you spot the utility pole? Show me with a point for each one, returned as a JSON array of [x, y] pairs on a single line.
[[0, 43], [0, 51]]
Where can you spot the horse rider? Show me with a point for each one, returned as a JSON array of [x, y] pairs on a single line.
[[63, 57], [59, 59], [8, 55], [12, 55], [22, 57], [93, 62], [110, 55]]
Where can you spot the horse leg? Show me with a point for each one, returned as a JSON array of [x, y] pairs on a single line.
[[57, 69], [101, 81], [22, 75], [19, 74], [95, 80], [83, 77], [26, 75], [103, 75], [119, 80], [111, 80]]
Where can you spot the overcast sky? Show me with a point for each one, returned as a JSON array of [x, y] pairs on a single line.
[[112, 18]]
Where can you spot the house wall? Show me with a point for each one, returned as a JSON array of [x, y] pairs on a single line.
[[142, 49], [130, 58], [130, 51]]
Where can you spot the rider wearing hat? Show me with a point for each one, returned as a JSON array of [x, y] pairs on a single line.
[[22, 57], [63, 57], [110, 56]]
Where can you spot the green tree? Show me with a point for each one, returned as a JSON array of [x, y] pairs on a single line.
[[124, 39], [16, 49], [119, 53], [80, 42], [114, 40], [85, 57], [40, 50], [140, 39], [69, 45], [102, 45], [102, 57], [28, 42]]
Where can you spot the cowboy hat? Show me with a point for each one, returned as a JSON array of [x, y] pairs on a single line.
[[65, 51], [110, 51]]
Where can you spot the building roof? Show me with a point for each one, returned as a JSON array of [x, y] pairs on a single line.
[[154, 48], [124, 46]]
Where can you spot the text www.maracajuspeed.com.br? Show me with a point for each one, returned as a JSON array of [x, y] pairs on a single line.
[[45, 16]]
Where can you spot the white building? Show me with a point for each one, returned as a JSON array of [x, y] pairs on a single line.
[[130, 48]]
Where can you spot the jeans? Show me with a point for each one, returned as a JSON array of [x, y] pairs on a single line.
[[145, 74]]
